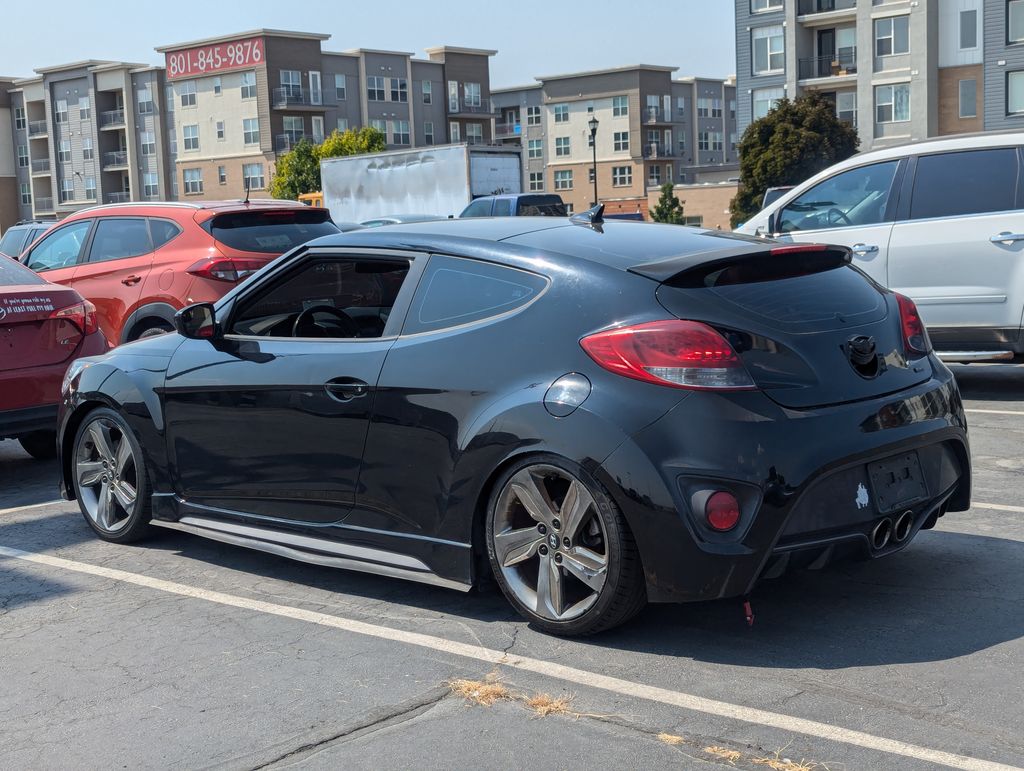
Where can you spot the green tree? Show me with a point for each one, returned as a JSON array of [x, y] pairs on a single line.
[[796, 140], [298, 171], [668, 209]]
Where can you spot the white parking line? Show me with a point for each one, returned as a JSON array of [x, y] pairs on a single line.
[[994, 412], [547, 668], [31, 506], [998, 507]]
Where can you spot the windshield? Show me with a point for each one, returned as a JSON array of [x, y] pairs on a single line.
[[270, 232]]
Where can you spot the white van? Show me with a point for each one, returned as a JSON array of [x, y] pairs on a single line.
[[941, 221]]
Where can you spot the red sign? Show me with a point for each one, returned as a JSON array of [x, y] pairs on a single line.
[[206, 60]]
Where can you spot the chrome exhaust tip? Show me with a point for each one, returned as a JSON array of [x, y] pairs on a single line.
[[880, 534], [903, 527]]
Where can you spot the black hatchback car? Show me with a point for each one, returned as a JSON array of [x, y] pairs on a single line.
[[598, 415]]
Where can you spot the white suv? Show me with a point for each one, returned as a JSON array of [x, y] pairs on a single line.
[[940, 220]]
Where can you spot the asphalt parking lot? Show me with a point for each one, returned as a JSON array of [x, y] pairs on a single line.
[[190, 653]]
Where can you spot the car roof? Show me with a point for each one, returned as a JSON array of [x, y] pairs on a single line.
[[979, 141], [148, 207]]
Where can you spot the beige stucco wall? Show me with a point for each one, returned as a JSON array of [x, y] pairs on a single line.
[[711, 202]]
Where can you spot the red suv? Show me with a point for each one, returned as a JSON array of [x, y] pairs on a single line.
[[140, 263]]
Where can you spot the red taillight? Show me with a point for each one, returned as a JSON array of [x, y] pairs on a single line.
[[683, 354], [226, 268], [915, 336], [775, 251], [82, 315], [722, 511]]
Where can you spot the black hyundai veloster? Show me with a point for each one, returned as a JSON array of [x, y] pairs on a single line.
[[595, 414]]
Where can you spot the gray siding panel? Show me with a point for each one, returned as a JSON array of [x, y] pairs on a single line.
[[996, 50], [745, 81]]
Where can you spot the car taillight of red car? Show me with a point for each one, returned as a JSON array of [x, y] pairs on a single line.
[[82, 315], [231, 269]]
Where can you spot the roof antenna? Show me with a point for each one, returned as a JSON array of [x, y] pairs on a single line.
[[592, 216], [246, 181]]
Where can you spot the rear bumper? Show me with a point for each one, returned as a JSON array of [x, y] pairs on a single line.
[[801, 478]]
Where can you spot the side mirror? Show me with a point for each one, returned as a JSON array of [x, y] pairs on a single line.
[[197, 322]]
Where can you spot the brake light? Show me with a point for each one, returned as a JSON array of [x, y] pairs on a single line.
[[225, 268], [82, 315], [915, 336], [682, 354], [775, 251], [722, 511]]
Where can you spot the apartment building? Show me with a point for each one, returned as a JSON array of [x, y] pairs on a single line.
[[651, 129], [8, 176], [241, 100], [85, 133], [898, 70]]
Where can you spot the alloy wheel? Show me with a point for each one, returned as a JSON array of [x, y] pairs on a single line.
[[550, 542], [106, 474]]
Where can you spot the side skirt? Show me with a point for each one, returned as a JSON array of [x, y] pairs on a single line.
[[313, 550]]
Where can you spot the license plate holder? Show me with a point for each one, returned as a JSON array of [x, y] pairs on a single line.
[[897, 482]]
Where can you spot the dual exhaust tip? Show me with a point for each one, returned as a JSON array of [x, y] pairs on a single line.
[[892, 530]]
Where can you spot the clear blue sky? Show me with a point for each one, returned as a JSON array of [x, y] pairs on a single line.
[[532, 38]]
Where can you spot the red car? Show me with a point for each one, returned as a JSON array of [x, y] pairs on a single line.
[[43, 327], [140, 263]]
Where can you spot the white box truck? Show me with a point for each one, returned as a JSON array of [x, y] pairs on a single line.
[[441, 180]]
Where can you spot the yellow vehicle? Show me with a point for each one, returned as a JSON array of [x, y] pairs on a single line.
[[316, 200]]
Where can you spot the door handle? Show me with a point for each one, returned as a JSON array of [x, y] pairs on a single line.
[[345, 389], [863, 249], [1006, 237], [131, 280]]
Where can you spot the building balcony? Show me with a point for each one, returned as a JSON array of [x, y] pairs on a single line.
[[43, 205], [655, 150], [289, 97], [284, 143], [112, 119], [40, 166], [507, 130], [809, 7], [117, 197], [656, 115], [836, 66], [38, 128], [470, 107], [117, 160]]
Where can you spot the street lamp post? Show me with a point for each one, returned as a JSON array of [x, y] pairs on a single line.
[[593, 143]]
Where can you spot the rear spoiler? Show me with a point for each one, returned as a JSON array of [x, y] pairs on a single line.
[[758, 260]]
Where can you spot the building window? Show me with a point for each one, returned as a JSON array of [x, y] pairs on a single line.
[[561, 113], [169, 101], [380, 125], [717, 141], [769, 44], [536, 181], [654, 176], [20, 122], [473, 95], [846, 107], [64, 153], [733, 140], [562, 146], [291, 83], [453, 131], [428, 91], [147, 140], [187, 92], [145, 100], [87, 152], [251, 131], [703, 107], [969, 98], [622, 176], [682, 143], [620, 141], [892, 103], [1015, 92], [533, 116], [400, 132], [220, 130], [84, 108], [248, 85], [26, 194], [191, 136], [399, 90], [193, 181], [216, 86], [375, 88], [681, 106], [704, 141], [1015, 21], [732, 109], [620, 106], [339, 87], [150, 185], [428, 132], [62, 111], [23, 156], [222, 175], [453, 96], [90, 188], [760, 6], [342, 125], [67, 190], [765, 100], [475, 133], [252, 176], [590, 175], [892, 36], [534, 148], [716, 108], [295, 127], [563, 179], [968, 29]]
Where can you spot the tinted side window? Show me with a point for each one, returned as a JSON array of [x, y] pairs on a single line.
[[61, 248], [162, 231], [13, 242], [952, 184], [457, 291], [855, 197], [119, 237], [481, 207], [502, 207]]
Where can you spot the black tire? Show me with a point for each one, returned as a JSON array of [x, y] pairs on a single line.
[[41, 445], [136, 524], [623, 594], [151, 329]]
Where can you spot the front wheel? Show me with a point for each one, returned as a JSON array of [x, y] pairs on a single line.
[[561, 550], [110, 478]]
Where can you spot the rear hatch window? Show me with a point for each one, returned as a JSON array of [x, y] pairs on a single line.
[[541, 206], [270, 232]]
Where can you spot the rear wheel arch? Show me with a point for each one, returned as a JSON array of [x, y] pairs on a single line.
[[147, 317]]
